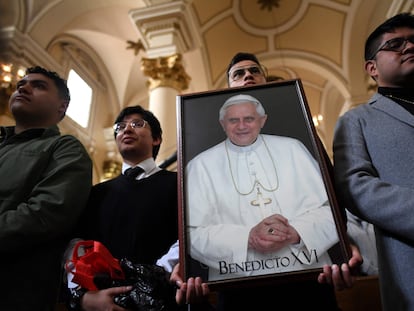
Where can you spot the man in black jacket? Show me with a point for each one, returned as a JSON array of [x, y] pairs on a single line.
[[135, 214]]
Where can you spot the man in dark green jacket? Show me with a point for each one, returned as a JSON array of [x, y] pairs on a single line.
[[45, 179]]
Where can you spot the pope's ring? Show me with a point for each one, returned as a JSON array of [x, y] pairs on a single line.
[[271, 230]]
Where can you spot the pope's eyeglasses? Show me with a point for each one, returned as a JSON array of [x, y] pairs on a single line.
[[121, 126], [394, 45], [239, 72]]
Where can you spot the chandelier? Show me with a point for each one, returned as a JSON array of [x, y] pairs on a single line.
[[9, 75]]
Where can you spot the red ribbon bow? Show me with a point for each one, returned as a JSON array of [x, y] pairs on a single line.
[[96, 260]]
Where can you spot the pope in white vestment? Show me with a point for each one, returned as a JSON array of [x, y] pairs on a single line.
[[231, 188]]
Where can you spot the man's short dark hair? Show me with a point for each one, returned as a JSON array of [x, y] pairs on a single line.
[[60, 83], [374, 39], [156, 131], [240, 57]]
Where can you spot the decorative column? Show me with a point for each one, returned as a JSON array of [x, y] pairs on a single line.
[[167, 30], [167, 78]]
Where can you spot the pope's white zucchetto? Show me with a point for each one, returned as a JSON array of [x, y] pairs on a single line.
[[240, 99]]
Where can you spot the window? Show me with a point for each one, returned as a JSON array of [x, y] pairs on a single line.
[[81, 99]]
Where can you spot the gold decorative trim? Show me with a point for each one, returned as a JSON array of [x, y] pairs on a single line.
[[111, 169], [165, 71]]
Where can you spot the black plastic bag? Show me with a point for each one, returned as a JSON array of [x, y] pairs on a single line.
[[151, 289]]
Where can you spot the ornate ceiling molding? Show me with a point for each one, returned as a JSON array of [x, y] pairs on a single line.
[[166, 28]]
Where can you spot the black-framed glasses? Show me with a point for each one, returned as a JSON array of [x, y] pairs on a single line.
[[394, 45], [239, 72], [121, 126]]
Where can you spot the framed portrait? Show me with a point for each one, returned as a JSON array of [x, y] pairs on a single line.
[[256, 198]]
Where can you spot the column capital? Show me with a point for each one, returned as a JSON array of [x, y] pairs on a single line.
[[165, 71]]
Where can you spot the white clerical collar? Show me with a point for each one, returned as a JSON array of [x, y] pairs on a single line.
[[256, 144], [148, 165]]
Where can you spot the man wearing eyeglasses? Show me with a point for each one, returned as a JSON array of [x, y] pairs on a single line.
[[373, 157], [245, 72], [135, 214]]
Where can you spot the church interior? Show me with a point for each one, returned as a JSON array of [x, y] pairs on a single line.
[[146, 52]]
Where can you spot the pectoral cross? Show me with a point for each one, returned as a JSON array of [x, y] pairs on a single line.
[[260, 201]]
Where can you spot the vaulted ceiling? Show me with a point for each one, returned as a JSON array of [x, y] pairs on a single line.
[[319, 41]]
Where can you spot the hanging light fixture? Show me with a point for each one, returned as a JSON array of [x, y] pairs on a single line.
[[9, 75]]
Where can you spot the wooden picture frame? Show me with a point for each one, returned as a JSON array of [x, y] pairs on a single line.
[[198, 130]]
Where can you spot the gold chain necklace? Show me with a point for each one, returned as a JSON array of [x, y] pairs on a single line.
[[402, 99], [256, 182]]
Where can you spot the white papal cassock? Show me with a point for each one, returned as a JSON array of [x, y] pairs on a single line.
[[223, 188]]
